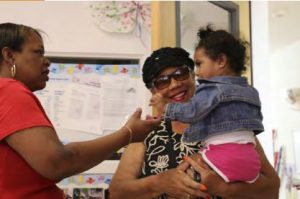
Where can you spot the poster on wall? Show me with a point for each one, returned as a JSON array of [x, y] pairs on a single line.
[[86, 186], [88, 100]]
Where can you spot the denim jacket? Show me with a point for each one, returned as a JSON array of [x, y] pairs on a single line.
[[221, 104]]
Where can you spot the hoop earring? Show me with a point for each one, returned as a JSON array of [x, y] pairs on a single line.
[[13, 70]]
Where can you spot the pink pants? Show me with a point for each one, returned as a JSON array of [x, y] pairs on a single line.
[[233, 162]]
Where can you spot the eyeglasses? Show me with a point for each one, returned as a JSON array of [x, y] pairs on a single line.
[[164, 81]]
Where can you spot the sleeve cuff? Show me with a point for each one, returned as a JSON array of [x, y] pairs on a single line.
[[170, 111]]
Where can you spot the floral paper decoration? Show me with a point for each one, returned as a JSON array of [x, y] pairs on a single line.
[[123, 17]]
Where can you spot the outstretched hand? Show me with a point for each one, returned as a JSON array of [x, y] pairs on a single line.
[[141, 128]]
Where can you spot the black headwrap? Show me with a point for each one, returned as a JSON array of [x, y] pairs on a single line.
[[164, 58]]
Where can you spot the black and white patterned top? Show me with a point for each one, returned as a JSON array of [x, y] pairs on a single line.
[[165, 150]]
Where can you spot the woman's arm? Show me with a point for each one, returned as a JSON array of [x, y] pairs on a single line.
[[43, 151], [266, 186], [125, 183]]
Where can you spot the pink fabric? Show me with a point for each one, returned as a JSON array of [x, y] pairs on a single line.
[[233, 162]]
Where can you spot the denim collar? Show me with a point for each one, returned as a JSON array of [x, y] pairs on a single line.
[[225, 80]]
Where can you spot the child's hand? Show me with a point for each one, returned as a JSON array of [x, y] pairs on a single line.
[[138, 128], [158, 102]]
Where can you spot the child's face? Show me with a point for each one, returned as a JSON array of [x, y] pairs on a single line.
[[205, 66]]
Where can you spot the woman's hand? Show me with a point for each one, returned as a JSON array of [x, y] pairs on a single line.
[[211, 180], [138, 128], [177, 184]]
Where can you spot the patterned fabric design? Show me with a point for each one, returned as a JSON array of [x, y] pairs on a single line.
[[165, 150]]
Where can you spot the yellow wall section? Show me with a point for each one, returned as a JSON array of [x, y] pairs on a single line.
[[244, 7], [163, 24], [244, 19]]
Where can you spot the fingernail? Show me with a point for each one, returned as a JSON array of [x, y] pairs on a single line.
[[203, 187], [207, 197]]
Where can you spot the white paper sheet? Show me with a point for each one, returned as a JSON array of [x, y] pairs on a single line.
[[83, 109], [119, 100], [53, 100]]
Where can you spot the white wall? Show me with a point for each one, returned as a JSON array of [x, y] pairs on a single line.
[[273, 74], [284, 75], [261, 69]]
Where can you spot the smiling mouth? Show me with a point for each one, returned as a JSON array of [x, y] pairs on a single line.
[[179, 97]]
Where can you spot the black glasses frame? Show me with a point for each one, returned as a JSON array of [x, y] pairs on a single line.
[[170, 76]]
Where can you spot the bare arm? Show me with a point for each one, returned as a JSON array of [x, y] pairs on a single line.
[[42, 150], [125, 183], [266, 186]]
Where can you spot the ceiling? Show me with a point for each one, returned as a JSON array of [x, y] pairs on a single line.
[[284, 24]]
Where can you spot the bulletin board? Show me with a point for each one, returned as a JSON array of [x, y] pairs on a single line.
[[86, 98]]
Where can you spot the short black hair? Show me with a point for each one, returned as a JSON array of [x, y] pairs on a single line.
[[14, 35], [216, 42], [164, 58]]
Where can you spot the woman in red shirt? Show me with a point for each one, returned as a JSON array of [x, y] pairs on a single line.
[[32, 158]]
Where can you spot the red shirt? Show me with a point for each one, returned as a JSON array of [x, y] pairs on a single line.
[[20, 109]]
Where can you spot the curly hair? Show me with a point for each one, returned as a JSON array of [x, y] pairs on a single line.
[[164, 58], [216, 42]]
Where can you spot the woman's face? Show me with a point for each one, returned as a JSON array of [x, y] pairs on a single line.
[[31, 64], [177, 90], [205, 66]]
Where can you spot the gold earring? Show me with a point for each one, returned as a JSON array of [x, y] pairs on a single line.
[[13, 70]]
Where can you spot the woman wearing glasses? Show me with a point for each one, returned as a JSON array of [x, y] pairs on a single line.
[[155, 169]]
